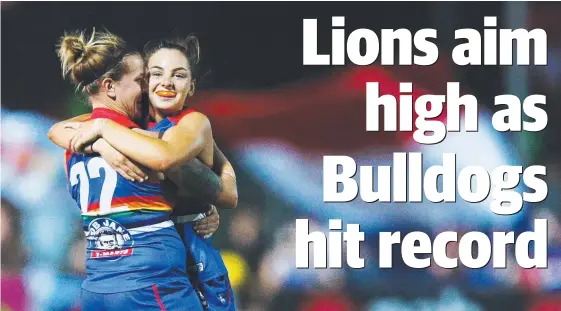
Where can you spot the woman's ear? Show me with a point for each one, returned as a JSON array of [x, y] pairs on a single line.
[[192, 90], [108, 86]]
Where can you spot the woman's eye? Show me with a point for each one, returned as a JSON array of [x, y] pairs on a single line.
[[156, 74], [180, 76]]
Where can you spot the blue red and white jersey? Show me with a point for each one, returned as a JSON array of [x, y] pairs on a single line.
[[127, 224], [169, 122]]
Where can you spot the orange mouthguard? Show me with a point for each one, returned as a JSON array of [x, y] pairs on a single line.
[[166, 93]]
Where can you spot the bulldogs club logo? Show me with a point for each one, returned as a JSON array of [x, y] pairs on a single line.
[[108, 239]]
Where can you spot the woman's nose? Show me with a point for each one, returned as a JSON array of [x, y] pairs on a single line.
[[166, 82]]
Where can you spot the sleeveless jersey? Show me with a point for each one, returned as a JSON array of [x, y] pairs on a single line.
[[169, 122], [132, 242]]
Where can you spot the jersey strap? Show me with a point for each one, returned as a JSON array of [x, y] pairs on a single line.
[[105, 113]]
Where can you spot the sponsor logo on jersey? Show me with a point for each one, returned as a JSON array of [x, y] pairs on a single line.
[[108, 239]]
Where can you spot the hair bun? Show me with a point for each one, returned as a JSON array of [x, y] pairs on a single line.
[[74, 45], [85, 60], [72, 50]]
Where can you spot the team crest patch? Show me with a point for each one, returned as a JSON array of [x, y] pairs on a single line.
[[108, 239]]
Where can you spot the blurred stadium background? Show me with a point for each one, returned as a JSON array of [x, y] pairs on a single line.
[[276, 119]]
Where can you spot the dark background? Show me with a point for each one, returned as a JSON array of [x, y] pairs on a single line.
[[248, 45]]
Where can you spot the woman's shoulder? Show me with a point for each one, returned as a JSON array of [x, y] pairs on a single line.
[[188, 113]]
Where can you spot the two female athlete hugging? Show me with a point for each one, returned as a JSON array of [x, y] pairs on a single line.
[[145, 185]]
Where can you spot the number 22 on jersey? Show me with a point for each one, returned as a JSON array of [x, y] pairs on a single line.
[[81, 174]]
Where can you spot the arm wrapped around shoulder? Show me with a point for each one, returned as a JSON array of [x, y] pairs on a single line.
[[194, 179], [189, 206]]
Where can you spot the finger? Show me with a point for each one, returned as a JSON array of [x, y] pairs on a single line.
[[205, 232], [214, 218], [80, 144], [131, 172], [201, 227], [206, 226], [136, 170], [70, 146], [202, 230], [83, 141], [207, 220], [73, 142], [214, 212], [75, 139], [124, 174]]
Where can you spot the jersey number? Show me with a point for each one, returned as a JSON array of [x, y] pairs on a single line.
[[78, 175]]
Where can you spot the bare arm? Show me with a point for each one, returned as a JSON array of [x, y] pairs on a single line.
[[199, 185], [195, 179], [185, 141], [188, 173], [229, 195], [60, 135], [147, 133]]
